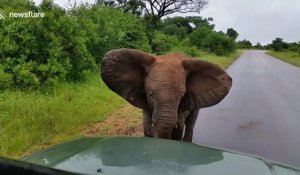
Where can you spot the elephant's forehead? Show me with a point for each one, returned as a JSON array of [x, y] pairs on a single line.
[[175, 57], [169, 72], [170, 60]]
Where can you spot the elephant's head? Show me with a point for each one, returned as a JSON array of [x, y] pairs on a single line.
[[164, 85]]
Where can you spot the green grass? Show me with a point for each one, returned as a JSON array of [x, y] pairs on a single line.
[[223, 61], [30, 121], [289, 57]]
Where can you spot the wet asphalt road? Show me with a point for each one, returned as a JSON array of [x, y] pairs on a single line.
[[261, 113]]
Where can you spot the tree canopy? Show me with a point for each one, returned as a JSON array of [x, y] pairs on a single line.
[[245, 44], [232, 33], [68, 43], [157, 8], [161, 8]]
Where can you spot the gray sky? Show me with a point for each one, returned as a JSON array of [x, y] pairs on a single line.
[[254, 20], [257, 20]]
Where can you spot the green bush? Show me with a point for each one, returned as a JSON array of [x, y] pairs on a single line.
[[164, 43], [191, 51], [295, 47], [222, 45], [279, 45], [111, 29], [215, 42], [244, 44], [173, 29], [66, 44], [63, 45], [5, 79], [44, 51], [188, 49]]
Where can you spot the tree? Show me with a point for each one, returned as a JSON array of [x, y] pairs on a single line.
[[110, 3], [179, 21], [215, 42], [173, 29], [295, 47], [232, 33], [278, 44], [198, 21], [132, 6], [127, 6], [161, 8], [163, 43], [244, 44], [258, 46], [190, 22], [154, 10], [158, 8]]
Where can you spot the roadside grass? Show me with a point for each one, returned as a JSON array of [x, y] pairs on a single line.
[[34, 120], [223, 61], [30, 121], [288, 56]]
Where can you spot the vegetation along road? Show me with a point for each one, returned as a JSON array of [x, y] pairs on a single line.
[[261, 113]]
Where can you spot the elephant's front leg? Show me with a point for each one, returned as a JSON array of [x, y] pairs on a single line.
[[189, 125], [147, 123]]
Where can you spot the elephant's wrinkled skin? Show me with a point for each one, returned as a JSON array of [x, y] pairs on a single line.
[[169, 88]]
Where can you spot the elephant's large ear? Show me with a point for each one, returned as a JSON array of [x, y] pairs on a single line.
[[124, 71], [206, 84]]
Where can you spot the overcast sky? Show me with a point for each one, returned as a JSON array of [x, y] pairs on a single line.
[[254, 20]]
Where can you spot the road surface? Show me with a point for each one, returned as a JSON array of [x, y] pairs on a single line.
[[261, 113]]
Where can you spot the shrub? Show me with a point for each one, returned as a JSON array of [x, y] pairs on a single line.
[[295, 47], [244, 44], [64, 44], [111, 29], [278, 44], [164, 43], [215, 42], [5, 79], [188, 49], [173, 29], [44, 51], [191, 51]]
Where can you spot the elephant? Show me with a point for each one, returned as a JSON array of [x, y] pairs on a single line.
[[170, 89]]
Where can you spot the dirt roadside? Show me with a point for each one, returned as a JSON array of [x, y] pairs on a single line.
[[127, 121]]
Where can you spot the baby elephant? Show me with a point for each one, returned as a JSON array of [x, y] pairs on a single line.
[[170, 89]]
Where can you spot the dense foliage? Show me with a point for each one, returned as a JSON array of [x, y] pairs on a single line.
[[64, 45], [279, 45], [68, 43], [232, 33], [211, 41], [158, 8], [193, 32], [245, 44]]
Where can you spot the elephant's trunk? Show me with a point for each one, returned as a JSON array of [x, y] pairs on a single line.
[[164, 126], [165, 113]]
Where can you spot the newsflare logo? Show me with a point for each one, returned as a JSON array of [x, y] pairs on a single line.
[[2, 14], [28, 14]]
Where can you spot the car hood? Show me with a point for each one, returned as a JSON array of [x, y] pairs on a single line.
[[140, 155]]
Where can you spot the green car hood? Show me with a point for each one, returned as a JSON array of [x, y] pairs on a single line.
[[139, 155]]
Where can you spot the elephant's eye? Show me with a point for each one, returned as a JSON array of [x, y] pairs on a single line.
[[150, 93]]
